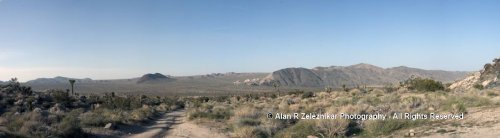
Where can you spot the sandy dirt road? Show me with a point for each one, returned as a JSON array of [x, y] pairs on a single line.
[[175, 125]]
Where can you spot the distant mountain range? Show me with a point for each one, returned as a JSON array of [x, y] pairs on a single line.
[[354, 75], [58, 80], [318, 77]]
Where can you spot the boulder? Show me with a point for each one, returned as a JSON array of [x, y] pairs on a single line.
[[109, 126], [57, 108], [37, 110]]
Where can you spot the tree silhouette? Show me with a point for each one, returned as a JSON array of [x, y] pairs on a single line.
[[276, 86], [72, 82]]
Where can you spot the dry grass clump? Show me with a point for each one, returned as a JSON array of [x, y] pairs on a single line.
[[336, 127], [250, 132], [373, 128]]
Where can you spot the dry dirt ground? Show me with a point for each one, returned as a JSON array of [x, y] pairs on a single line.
[[479, 122], [175, 125]]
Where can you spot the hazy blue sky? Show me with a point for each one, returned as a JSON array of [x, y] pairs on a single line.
[[104, 39]]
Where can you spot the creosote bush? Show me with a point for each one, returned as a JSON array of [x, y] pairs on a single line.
[[423, 84]]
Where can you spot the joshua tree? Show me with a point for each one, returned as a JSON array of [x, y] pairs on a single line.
[[72, 82], [328, 89], [344, 87], [276, 86]]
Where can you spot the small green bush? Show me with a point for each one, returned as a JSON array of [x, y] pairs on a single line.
[[217, 113], [478, 86], [384, 127], [92, 119], [296, 92], [301, 129], [249, 122], [307, 95], [460, 103], [69, 128], [421, 84], [389, 88], [492, 94]]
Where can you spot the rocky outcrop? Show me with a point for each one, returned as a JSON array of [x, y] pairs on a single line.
[[487, 77], [253, 82]]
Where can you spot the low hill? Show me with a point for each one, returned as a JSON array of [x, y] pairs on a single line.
[[152, 78], [57, 80], [354, 75]]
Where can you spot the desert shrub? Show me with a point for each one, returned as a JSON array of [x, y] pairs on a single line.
[[248, 122], [328, 89], [296, 92], [389, 88], [384, 127], [14, 123], [33, 128], [370, 100], [332, 128], [92, 119], [61, 97], [273, 96], [69, 128], [458, 104], [307, 95], [141, 114], [345, 88], [220, 98], [478, 86], [459, 108], [413, 102], [390, 98], [421, 84], [43, 124], [491, 93], [247, 112], [217, 113], [343, 102], [250, 132], [301, 129]]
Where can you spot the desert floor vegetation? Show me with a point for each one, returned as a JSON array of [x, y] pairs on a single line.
[[57, 113], [245, 116]]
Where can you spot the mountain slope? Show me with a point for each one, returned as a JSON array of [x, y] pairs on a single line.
[[294, 77], [354, 75]]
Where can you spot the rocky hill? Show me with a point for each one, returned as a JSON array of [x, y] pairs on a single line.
[[294, 77], [486, 78], [354, 75], [156, 77]]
